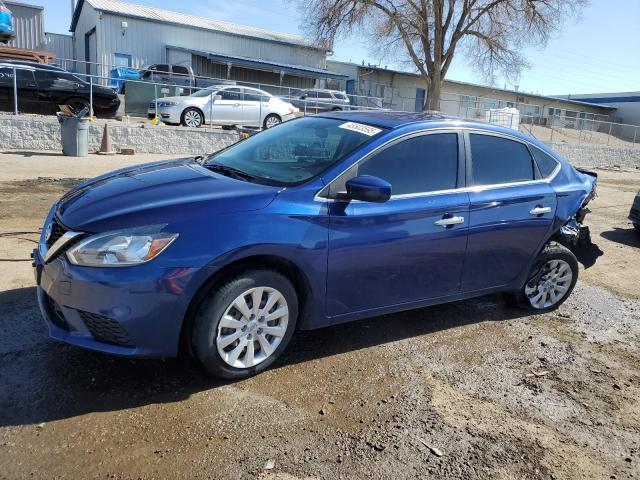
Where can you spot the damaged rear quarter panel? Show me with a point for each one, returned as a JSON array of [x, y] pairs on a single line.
[[572, 188]]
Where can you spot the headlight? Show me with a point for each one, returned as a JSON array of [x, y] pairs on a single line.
[[167, 104], [121, 248]]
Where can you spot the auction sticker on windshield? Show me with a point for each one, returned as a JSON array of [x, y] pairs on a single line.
[[361, 128]]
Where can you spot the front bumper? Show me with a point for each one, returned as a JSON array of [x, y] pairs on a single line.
[[166, 114], [134, 312]]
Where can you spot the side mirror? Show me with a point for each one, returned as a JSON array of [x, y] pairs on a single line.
[[303, 97], [367, 188], [217, 97]]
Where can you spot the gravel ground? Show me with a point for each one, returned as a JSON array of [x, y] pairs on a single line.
[[472, 390]]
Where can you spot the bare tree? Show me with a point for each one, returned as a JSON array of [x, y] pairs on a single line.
[[489, 33]]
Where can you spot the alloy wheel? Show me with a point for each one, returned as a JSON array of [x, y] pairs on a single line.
[[252, 327], [549, 285], [271, 121], [192, 119]]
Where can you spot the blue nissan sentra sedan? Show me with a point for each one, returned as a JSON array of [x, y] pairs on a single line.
[[318, 221]]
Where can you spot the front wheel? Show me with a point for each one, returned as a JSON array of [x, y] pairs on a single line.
[[245, 324], [192, 117], [551, 281], [272, 120]]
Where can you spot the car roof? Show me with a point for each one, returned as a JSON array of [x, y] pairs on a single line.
[[39, 66], [393, 120]]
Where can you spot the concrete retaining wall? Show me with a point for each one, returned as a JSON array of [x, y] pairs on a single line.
[[43, 133], [600, 155]]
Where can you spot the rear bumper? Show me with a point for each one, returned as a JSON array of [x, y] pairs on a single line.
[[133, 312]]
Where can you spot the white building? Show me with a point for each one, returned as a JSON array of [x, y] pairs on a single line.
[[407, 91], [110, 32], [627, 104]]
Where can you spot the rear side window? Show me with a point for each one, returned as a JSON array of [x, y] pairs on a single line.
[[180, 70], [426, 163], [546, 163], [499, 160]]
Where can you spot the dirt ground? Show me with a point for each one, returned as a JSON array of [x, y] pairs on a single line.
[[472, 390]]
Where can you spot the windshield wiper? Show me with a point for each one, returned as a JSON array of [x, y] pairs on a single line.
[[230, 171]]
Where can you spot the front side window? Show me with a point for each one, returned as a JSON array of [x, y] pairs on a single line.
[[293, 152], [231, 94], [498, 160], [426, 163], [324, 95]]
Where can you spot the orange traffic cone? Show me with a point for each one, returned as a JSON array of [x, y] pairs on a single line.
[[105, 147]]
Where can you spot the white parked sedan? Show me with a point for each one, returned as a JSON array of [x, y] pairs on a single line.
[[224, 105]]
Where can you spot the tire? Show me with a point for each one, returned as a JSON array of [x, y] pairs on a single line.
[[211, 333], [549, 281], [77, 103], [336, 109], [192, 117], [271, 120], [637, 227]]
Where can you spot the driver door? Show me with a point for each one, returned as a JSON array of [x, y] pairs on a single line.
[[401, 251], [228, 110]]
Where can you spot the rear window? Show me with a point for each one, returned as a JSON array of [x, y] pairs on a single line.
[[498, 160], [180, 70]]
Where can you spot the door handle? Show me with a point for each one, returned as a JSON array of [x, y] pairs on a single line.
[[540, 210], [236, 104], [447, 222]]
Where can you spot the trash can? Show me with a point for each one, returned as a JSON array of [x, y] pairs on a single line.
[[75, 136]]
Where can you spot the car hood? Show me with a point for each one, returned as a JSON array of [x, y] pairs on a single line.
[[169, 192]]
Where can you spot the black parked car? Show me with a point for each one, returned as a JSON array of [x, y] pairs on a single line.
[[41, 88], [634, 215]]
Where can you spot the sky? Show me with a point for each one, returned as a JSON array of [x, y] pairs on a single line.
[[599, 52]]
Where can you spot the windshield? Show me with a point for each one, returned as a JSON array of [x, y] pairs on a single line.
[[294, 151], [202, 93]]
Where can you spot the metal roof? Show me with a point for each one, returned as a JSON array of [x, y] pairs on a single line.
[[21, 4], [239, 60], [132, 10], [495, 89]]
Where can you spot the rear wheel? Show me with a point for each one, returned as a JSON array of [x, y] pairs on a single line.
[[192, 117], [245, 325], [272, 120], [551, 281]]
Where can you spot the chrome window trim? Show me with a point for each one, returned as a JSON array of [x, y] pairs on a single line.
[[456, 130]]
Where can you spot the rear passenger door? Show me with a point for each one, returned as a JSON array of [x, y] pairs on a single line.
[[511, 210]]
